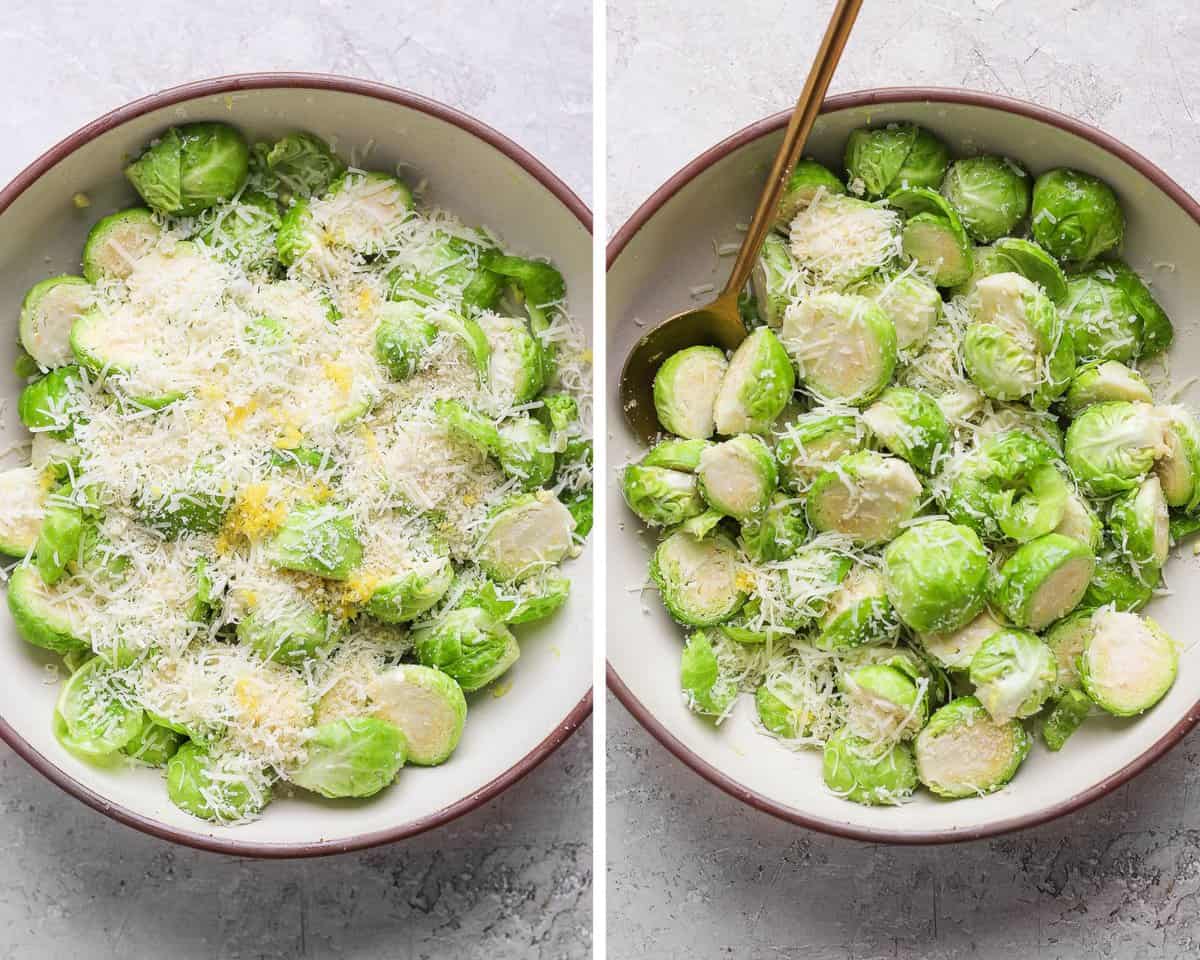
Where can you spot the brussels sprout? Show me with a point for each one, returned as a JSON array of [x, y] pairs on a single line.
[[403, 596], [468, 645], [785, 699], [529, 601], [676, 455], [707, 689], [808, 177], [882, 159], [861, 772], [426, 705], [1101, 320], [521, 445], [524, 536], [1016, 347], [316, 538], [187, 509], [351, 757], [661, 497], [245, 232], [776, 533], [290, 634], [1079, 521], [41, 617], [50, 404], [94, 707], [190, 168], [954, 649], [214, 787], [1066, 640], [756, 387], [117, 242], [558, 412], [774, 281], [936, 573], [108, 344], [813, 443], [1016, 255], [934, 237], [844, 346], [298, 233], [23, 500], [685, 391], [1066, 715], [516, 361], [1111, 446], [883, 703], [47, 312], [401, 338], [810, 579], [1138, 523], [1128, 664], [1179, 469], [303, 164], [738, 476], [841, 240], [1102, 381], [1013, 673], [1075, 216], [962, 752], [1114, 583], [990, 193], [1043, 580], [865, 496], [153, 745], [911, 302], [1157, 332], [858, 613], [59, 539], [698, 579], [911, 425], [362, 211]]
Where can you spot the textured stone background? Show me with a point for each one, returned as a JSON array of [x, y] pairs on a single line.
[[512, 880], [692, 873]]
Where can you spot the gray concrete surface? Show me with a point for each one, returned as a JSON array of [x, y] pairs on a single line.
[[513, 879], [692, 873]]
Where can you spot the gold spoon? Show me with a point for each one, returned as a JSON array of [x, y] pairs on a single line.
[[719, 323]]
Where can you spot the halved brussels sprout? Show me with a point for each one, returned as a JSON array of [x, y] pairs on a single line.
[[788, 699], [883, 703], [1113, 582], [1111, 446], [698, 579], [774, 281], [402, 337], [857, 613], [954, 649], [47, 313], [525, 536], [1100, 320], [963, 752], [659, 496], [1075, 216], [841, 240], [936, 574], [676, 455], [426, 705], [1013, 673], [1079, 521], [1128, 664], [738, 476], [114, 345], [863, 772], [1016, 255], [289, 633], [303, 164], [685, 391], [351, 757], [813, 443], [96, 712], [403, 596], [242, 233], [918, 668], [911, 425], [1102, 381], [117, 242], [881, 159], [808, 177], [1157, 332], [190, 168], [521, 445], [468, 645], [154, 744], [865, 496], [810, 579], [776, 533], [1139, 525], [1016, 348], [1043, 580], [190, 508], [934, 237], [51, 404], [59, 539], [1066, 640], [911, 302], [990, 193], [707, 689], [22, 510], [316, 538], [1179, 469], [362, 211], [40, 617], [844, 346], [1066, 715], [517, 360], [756, 387], [214, 787], [532, 600]]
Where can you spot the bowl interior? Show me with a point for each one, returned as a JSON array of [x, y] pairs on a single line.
[[651, 278], [42, 234]]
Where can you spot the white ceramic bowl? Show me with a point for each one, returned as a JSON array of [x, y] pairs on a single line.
[[666, 249], [471, 170]]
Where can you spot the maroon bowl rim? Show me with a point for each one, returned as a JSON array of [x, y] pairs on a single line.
[[763, 127], [379, 91]]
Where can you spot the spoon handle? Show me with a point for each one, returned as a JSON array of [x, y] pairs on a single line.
[[798, 129]]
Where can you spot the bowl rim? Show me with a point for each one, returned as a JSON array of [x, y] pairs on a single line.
[[754, 131], [234, 83]]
